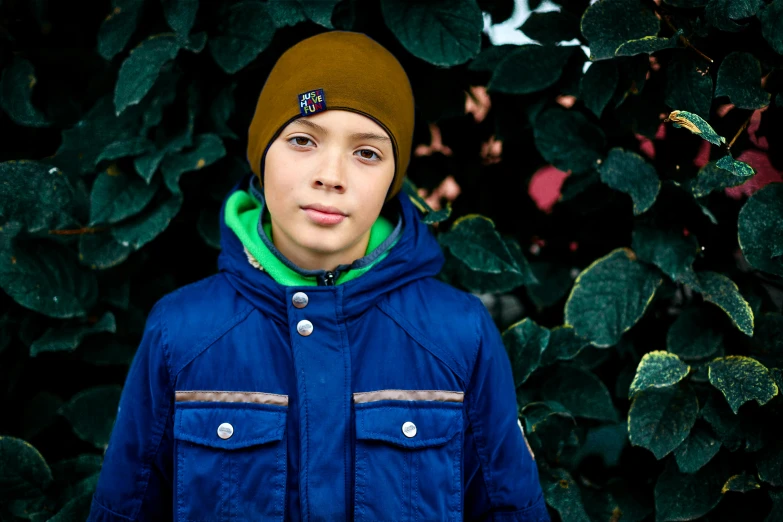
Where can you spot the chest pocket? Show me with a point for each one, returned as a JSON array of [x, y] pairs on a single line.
[[408, 455], [230, 456]]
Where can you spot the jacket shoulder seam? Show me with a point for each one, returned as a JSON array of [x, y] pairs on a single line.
[[424, 341], [211, 337]]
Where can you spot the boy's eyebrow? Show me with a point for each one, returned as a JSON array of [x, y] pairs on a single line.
[[354, 136]]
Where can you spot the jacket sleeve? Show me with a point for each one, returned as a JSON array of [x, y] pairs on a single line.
[[135, 481], [501, 478]]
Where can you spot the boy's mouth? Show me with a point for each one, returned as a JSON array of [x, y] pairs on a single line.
[[324, 215]]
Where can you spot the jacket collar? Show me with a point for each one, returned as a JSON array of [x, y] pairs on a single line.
[[416, 255]]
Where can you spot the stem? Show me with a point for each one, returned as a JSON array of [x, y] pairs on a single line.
[[77, 231], [683, 39], [744, 125]]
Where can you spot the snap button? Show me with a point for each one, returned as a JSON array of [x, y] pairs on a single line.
[[225, 430], [304, 327], [409, 429], [300, 299]]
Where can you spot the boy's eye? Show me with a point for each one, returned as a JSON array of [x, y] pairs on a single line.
[[371, 152], [306, 140]]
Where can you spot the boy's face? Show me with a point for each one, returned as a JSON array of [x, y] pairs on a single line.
[[337, 159]]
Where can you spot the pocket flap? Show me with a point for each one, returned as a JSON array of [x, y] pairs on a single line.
[[435, 422], [250, 424]]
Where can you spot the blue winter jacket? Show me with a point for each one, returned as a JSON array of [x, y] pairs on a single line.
[[397, 404]]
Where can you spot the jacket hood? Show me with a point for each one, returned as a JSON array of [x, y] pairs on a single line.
[[416, 255]]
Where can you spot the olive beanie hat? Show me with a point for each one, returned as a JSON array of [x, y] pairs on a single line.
[[335, 70]]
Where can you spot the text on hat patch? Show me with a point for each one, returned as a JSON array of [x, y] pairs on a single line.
[[311, 102]]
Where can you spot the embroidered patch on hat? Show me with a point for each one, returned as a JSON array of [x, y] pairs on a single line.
[[312, 102]]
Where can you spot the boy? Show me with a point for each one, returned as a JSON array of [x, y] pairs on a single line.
[[323, 373]]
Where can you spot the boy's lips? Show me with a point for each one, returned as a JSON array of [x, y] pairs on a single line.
[[324, 209], [324, 215]]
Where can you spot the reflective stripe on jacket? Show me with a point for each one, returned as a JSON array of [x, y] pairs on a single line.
[[387, 397]]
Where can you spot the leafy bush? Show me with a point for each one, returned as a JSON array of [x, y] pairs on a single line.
[[650, 358]]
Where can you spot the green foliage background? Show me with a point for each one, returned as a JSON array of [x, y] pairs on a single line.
[[649, 357]]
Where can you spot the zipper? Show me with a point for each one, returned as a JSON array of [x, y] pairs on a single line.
[[328, 278]]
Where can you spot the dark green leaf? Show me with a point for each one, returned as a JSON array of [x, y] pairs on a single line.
[[563, 345], [598, 84], [68, 338], [525, 341], [23, 470], [529, 69], [220, 111], [110, 353], [40, 412], [101, 250], [739, 78], [742, 379], [562, 493], [38, 196], [648, 45], [91, 413], [606, 442], [768, 336], [683, 496], [661, 418], [208, 226], [141, 69], [723, 292], [696, 450], [628, 172], [474, 241], [46, 278], [726, 425], [207, 149], [84, 142], [124, 148], [694, 335], [715, 177], [610, 296], [737, 168], [554, 281], [770, 18], [286, 13], [568, 140], [770, 464], [607, 24], [741, 483], [117, 28], [16, 90], [180, 14], [143, 228], [695, 124], [670, 251], [483, 282], [551, 27], [687, 89], [759, 224], [441, 32], [429, 216], [717, 14], [246, 30], [489, 57], [117, 195], [581, 392], [658, 369]]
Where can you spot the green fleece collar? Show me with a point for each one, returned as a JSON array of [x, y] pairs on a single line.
[[243, 211]]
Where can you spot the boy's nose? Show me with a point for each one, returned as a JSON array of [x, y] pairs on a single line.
[[331, 174]]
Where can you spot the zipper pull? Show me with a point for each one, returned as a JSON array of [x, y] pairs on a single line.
[[329, 278]]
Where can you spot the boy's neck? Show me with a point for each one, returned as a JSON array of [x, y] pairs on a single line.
[[310, 260]]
